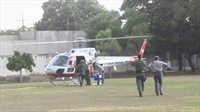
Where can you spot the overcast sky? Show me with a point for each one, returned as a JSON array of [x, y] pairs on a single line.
[[11, 11]]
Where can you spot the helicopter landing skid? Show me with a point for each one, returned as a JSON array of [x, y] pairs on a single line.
[[51, 81], [74, 80]]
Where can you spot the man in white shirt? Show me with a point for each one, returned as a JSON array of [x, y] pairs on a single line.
[[101, 71], [157, 67]]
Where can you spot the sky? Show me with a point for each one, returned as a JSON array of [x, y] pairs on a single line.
[[12, 11]]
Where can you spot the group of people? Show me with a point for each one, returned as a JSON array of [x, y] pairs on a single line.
[[83, 71], [156, 67]]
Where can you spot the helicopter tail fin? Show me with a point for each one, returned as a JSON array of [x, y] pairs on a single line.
[[141, 51], [143, 48]]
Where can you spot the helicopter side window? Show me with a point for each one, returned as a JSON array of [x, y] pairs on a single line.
[[72, 51], [61, 61]]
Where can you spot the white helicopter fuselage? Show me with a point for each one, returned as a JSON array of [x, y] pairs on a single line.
[[68, 61]]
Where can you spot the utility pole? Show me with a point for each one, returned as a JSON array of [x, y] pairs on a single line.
[[23, 27], [22, 22]]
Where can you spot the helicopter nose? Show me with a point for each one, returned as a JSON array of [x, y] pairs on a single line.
[[55, 70]]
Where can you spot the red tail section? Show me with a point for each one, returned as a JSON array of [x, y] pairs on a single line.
[[143, 47], [141, 51]]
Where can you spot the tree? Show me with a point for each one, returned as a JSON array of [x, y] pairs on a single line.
[[9, 32], [136, 25], [68, 14], [107, 47], [176, 26], [103, 21], [89, 9], [58, 15], [137, 4], [18, 62]]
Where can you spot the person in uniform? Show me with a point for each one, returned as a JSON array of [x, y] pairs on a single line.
[[140, 73], [81, 70], [87, 73], [157, 67], [101, 72]]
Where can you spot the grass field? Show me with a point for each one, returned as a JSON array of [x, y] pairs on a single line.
[[181, 94]]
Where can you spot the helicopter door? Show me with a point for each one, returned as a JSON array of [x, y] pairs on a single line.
[[72, 61], [79, 58]]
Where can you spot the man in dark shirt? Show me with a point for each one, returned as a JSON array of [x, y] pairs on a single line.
[[87, 77], [81, 70], [140, 75]]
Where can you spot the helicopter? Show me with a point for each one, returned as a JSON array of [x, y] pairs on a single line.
[[63, 65]]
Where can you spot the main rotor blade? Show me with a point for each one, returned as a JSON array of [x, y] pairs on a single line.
[[32, 43], [75, 41], [90, 40]]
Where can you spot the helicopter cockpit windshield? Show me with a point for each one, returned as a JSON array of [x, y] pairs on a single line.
[[61, 61]]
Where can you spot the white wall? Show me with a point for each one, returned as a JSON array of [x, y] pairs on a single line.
[[8, 44], [9, 37], [6, 48], [27, 35], [49, 36]]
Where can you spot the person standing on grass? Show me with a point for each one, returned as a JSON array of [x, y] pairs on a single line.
[[87, 75], [157, 68], [140, 73], [101, 72], [81, 70]]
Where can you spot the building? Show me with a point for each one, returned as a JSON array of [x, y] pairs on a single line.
[[42, 53]]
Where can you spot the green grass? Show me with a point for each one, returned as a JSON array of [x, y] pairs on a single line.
[[181, 94]]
